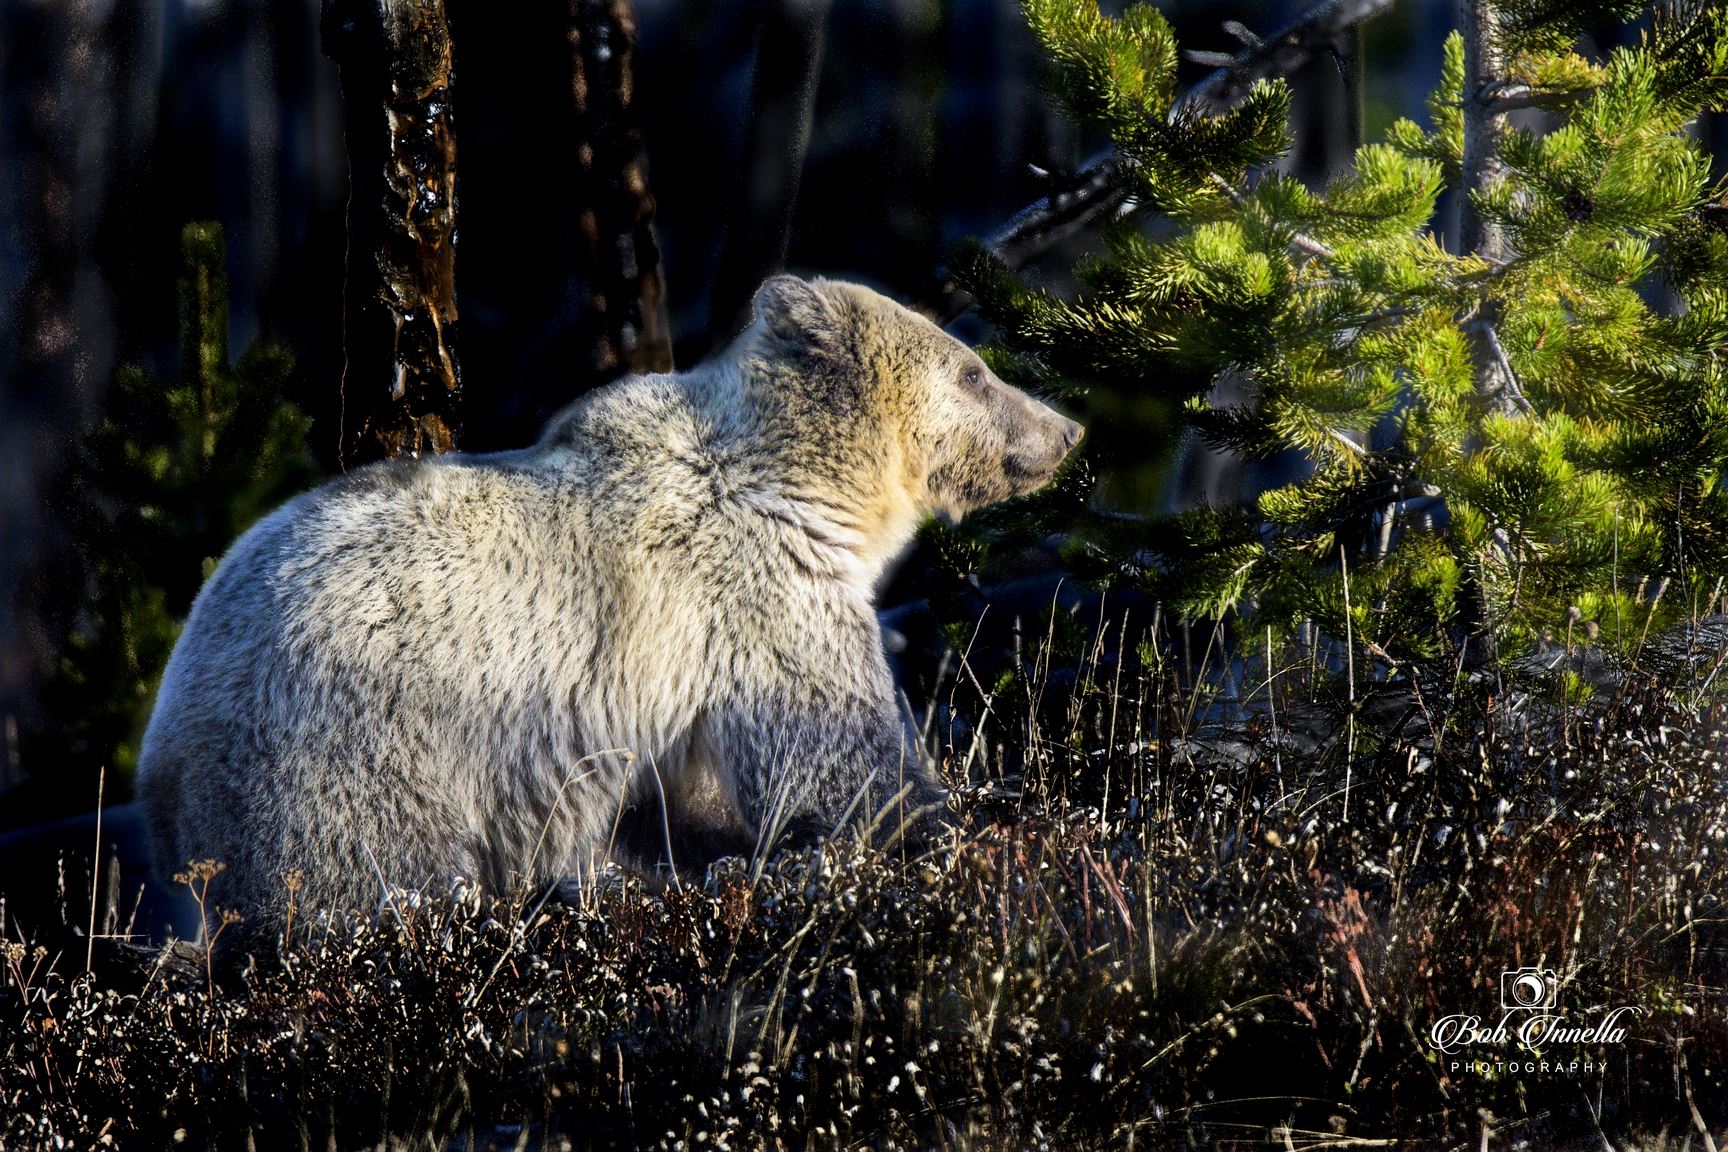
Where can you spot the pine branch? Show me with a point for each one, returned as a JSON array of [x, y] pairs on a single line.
[[1300, 241]]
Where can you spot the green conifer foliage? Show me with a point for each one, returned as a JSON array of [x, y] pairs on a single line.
[[1491, 437], [168, 479]]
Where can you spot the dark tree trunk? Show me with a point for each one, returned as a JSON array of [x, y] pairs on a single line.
[[257, 47], [49, 353], [1713, 133], [782, 104], [626, 329], [401, 387], [1326, 120], [913, 230], [43, 65]]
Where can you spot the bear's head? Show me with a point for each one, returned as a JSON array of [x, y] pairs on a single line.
[[898, 407]]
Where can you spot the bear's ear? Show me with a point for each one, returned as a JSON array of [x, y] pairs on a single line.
[[795, 312]]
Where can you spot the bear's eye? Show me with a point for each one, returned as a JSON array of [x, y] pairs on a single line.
[[973, 378]]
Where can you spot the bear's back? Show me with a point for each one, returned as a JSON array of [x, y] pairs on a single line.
[[471, 582]]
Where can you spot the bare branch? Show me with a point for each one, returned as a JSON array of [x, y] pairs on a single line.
[[1243, 33], [1499, 99], [1039, 227], [1300, 241], [1503, 98], [1093, 190], [1282, 54], [1349, 445], [1379, 314], [1511, 394]]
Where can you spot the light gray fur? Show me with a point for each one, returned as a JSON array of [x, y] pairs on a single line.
[[418, 670]]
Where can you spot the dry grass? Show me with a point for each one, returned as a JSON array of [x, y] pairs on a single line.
[[1158, 929]]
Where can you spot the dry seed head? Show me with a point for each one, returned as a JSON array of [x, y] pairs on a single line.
[[196, 870]]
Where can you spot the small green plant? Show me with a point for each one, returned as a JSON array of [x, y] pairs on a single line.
[[170, 477]]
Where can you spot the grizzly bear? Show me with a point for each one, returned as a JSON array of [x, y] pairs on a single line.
[[475, 665]]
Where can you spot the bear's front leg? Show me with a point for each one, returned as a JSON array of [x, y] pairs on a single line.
[[831, 758]]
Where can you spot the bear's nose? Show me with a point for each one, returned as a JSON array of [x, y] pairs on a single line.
[[1072, 430]]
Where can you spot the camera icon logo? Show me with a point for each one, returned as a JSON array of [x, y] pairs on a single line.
[[1529, 988]]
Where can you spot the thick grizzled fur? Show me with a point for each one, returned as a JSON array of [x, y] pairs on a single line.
[[474, 665]]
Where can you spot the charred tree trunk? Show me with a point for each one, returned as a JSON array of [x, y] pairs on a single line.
[[401, 386], [626, 329], [782, 105]]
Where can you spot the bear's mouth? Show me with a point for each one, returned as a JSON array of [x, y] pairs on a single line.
[[1027, 475]]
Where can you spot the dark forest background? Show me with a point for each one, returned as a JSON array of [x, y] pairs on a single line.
[[826, 136]]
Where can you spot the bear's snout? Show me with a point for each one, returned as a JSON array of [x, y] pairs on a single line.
[[1045, 442], [1059, 434]]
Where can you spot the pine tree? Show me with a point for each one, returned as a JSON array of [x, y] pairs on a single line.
[[168, 479], [1497, 441]]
